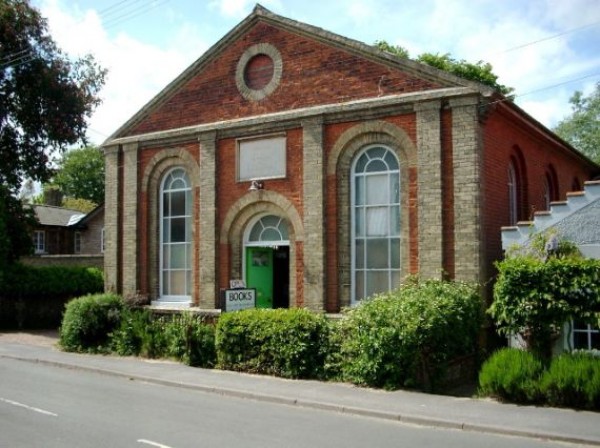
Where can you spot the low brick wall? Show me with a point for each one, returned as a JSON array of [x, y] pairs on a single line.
[[88, 261]]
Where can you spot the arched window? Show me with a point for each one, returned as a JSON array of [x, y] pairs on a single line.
[[175, 236], [269, 229], [550, 187], [513, 194], [375, 222]]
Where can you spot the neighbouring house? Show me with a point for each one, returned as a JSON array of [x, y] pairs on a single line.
[[68, 237], [575, 219], [319, 170]]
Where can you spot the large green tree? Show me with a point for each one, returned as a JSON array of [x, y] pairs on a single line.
[[479, 71], [80, 174], [582, 128], [45, 100]]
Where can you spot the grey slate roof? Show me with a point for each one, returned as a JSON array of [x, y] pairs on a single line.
[[49, 215]]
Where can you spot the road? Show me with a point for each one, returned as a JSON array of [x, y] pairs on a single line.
[[46, 406]]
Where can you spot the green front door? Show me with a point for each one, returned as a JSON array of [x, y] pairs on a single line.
[[259, 274]]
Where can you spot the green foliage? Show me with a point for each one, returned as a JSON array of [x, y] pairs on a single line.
[[191, 341], [407, 337], [80, 174], [34, 297], [288, 343], [45, 100], [82, 205], [573, 380], [16, 225], [535, 298], [88, 322], [582, 128], [480, 71], [511, 375]]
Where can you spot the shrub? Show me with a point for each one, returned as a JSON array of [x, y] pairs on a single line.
[[88, 322], [35, 297], [407, 337], [573, 380], [191, 340], [288, 343], [511, 374], [130, 338]]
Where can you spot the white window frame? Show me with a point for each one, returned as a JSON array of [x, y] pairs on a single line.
[[77, 242], [589, 330], [39, 241], [391, 237], [262, 158], [166, 289]]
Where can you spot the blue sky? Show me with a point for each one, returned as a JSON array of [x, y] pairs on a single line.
[[545, 49]]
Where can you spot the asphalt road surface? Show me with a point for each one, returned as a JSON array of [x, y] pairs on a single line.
[[46, 406]]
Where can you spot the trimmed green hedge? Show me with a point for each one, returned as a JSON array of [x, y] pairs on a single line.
[[407, 337], [289, 343], [35, 297], [571, 379]]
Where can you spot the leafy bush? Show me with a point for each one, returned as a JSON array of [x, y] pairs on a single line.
[[288, 343], [512, 375], [88, 322], [535, 297], [191, 340], [185, 338], [407, 337], [35, 297], [573, 380]]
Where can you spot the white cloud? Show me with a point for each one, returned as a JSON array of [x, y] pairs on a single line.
[[136, 71]]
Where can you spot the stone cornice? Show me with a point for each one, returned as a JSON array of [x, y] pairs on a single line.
[[368, 108]]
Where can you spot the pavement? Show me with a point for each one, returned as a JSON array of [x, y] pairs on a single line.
[[467, 414]]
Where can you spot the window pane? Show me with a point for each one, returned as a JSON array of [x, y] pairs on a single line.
[[271, 221], [359, 257], [359, 224], [177, 184], [580, 340], [166, 204], [395, 220], [178, 230], [377, 189], [394, 189], [377, 254], [361, 163], [178, 256], [270, 235], [166, 230], [396, 279], [395, 253], [377, 221], [359, 193], [377, 153], [359, 288], [391, 161], [165, 283], [178, 283], [166, 256], [377, 281], [178, 203], [376, 166]]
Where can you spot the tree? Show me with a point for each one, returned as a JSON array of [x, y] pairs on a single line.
[[80, 174], [479, 71], [582, 128], [45, 99]]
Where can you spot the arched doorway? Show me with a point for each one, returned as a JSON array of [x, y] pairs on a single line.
[[267, 261]]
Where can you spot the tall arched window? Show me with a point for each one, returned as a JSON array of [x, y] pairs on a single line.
[[550, 187], [375, 222], [513, 194], [175, 236]]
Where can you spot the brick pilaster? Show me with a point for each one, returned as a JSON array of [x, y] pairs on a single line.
[[466, 143], [130, 219], [314, 215], [207, 232], [429, 155], [111, 218]]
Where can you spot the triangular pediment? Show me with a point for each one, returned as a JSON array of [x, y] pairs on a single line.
[[269, 64]]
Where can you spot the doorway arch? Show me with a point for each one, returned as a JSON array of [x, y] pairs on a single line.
[[266, 260]]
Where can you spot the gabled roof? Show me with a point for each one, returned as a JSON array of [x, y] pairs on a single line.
[[261, 14], [99, 210], [49, 215]]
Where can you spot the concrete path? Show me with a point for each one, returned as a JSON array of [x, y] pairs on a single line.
[[467, 414]]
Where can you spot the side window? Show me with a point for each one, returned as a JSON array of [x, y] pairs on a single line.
[[39, 241], [77, 239], [585, 336], [175, 235], [375, 222], [513, 195]]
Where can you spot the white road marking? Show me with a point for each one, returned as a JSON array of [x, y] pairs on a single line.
[[31, 408], [150, 442]]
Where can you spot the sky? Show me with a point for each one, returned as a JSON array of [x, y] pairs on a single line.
[[545, 49]]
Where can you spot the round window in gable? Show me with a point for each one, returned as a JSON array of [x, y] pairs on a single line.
[[259, 71]]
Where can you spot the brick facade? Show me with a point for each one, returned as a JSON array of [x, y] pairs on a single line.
[[330, 98]]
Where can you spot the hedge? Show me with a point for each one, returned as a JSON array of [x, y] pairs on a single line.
[[407, 337], [35, 297], [289, 343]]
